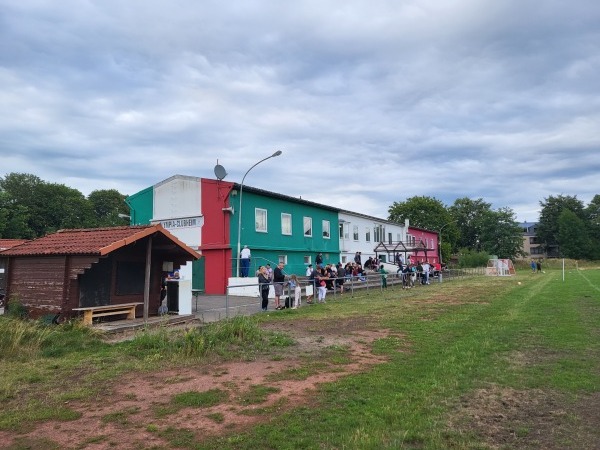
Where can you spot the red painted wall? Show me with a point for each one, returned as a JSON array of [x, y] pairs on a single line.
[[216, 245], [425, 236]]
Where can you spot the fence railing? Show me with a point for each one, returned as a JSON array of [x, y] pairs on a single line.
[[212, 308]]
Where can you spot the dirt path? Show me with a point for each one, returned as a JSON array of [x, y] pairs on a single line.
[[141, 407]]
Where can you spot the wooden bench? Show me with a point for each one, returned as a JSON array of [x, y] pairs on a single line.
[[107, 310]]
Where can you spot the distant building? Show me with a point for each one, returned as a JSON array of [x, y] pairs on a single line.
[[205, 215], [531, 245]]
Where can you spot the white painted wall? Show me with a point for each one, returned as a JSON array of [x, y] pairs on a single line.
[[178, 208], [349, 246]]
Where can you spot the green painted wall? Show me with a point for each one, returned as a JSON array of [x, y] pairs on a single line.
[[267, 247], [141, 206]]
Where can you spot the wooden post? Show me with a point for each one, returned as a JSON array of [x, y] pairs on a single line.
[[147, 278]]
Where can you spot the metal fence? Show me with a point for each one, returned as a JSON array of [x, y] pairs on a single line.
[[211, 308]]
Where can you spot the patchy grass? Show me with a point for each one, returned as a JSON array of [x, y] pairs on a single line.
[[471, 364]]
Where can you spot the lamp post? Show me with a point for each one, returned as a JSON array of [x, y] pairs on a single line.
[[277, 153], [440, 238]]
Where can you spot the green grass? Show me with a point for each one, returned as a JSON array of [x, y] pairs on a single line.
[[446, 344], [467, 340]]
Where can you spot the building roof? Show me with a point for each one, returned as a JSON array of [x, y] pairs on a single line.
[[284, 197], [91, 241], [10, 243]]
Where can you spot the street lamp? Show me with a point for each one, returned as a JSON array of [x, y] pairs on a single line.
[[277, 153], [440, 238]]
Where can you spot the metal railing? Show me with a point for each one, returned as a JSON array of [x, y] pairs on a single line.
[[213, 308]]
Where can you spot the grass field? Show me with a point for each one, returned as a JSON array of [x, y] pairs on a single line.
[[473, 364]]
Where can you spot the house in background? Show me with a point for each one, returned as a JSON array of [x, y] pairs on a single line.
[[424, 244], [531, 245], [92, 267], [204, 213], [371, 236]]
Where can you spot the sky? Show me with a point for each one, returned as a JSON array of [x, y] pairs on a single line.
[[370, 102]]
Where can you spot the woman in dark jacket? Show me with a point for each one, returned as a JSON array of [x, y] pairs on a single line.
[[263, 285]]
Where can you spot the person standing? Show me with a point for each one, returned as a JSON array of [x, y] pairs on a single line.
[[321, 279], [309, 270], [533, 266], [319, 260], [426, 269], [295, 286], [341, 277], [278, 280], [245, 261], [357, 259], [263, 286], [383, 273]]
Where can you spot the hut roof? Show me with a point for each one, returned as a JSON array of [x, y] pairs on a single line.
[[91, 241]]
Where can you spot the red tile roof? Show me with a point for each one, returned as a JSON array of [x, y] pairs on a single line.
[[90, 241], [10, 243]]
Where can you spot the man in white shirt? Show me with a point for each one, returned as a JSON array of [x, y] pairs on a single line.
[[309, 270], [244, 261], [426, 269]]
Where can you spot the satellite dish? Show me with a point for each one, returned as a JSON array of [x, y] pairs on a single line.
[[220, 172]]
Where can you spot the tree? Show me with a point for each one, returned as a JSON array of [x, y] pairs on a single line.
[[592, 214], [471, 218], [13, 219], [548, 227], [46, 207], [107, 204], [501, 234], [428, 213], [64, 208], [572, 236]]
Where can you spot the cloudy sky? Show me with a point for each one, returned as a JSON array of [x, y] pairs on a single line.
[[371, 102]]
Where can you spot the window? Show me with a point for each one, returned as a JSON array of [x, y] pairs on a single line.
[[344, 230], [286, 224], [307, 259], [368, 235], [344, 259], [326, 229], [308, 226], [260, 217], [398, 237], [390, 238], [282, 259], [355, 232], [378, 233]]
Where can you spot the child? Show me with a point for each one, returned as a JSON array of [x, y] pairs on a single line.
[[383, 273], [295, 286]]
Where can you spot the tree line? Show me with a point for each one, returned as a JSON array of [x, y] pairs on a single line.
[[31, 207], [566, 227]]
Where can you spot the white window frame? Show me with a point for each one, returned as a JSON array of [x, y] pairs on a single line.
[[326, 225], [257, 213], [286, 224], [282, 259], [355, 233], [307, 259], [307, 220], [368, 234]]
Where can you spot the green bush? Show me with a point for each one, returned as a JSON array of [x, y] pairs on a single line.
[[470, 258]]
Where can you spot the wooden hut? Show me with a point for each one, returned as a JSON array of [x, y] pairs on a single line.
[[95, 267]]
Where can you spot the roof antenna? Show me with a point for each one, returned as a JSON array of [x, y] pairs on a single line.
[[220, 171]]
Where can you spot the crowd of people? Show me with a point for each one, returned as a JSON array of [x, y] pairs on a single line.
[[326, 277]]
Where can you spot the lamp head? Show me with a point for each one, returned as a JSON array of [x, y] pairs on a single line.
[[277, 153]]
